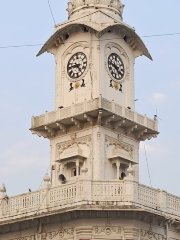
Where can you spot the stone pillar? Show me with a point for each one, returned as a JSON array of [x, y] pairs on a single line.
[[3, 191], [46, 184], [162, 200], [118, 169], [84, 170], [130, 172], [77, 168], [2, 198], [45, 192]]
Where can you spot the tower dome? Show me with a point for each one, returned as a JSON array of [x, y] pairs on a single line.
[[76, 7]]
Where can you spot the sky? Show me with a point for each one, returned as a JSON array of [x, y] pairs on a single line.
[[28, 83]]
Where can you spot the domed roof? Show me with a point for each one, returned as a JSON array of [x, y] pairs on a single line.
[[76, 5]]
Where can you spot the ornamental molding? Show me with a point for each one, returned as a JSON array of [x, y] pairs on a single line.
[[55, 235], [109, 48], [70, 51], [108, 230], [149, 235], [25, 238], [61, 233], [109, 141], [60, 147]]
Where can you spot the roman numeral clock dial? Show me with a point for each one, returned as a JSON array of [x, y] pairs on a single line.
[[77, 65], [115, 66]]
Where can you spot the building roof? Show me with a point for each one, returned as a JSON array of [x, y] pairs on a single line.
[[67, 29]]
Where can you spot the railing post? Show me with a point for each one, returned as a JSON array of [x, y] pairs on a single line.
[[85, 105], [145, 120], [58, 114], [46, 117], [72, 109], [2, 199], [32, 122], [45, 193], [123, 112], [113, 106], [162, 200], [156, 124], [129, 187], [100, 101], [135, 116], [86, 190]]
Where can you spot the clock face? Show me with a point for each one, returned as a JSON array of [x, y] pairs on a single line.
[[77, 65], [115, 66]]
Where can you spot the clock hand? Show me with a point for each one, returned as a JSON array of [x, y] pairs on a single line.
[[75, 65], [113, 65]]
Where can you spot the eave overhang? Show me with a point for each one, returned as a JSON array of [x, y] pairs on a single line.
[[64, 32]]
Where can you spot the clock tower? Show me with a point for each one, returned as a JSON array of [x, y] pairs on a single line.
[[94, 130]]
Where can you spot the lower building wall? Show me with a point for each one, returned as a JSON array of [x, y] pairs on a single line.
[[89, 229]]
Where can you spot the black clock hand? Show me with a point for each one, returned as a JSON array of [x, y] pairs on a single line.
[[117, 69], [76, 65]]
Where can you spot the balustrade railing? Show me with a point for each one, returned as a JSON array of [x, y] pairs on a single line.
[[108, 190], [21, 203], [86, 191], [95, 104]]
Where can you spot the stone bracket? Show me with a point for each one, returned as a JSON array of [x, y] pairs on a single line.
[[107, 120], [148, 136], [62, 127], [130, 129], [140, 133], [51, 131], [77, 123], [40, 133], [90, 119], [118, 124]]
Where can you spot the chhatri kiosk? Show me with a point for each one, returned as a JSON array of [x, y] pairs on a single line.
[[93, 191]]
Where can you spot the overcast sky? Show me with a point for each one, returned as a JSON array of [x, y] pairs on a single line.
[[27, 88]]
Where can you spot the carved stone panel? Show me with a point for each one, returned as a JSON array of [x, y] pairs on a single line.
[[119, 145], [149, 235], [112, 232], [61, 147]]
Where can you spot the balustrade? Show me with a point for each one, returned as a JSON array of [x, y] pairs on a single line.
[[95, 104], [71, 194]]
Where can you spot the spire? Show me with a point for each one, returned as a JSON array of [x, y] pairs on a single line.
[[76, 6]]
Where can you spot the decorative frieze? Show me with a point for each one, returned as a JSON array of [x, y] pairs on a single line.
[[64, 145], [109, 141], [107, 230], [149, 235], [61, 233]]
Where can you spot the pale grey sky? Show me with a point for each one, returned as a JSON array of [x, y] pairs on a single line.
[[27, 88]]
